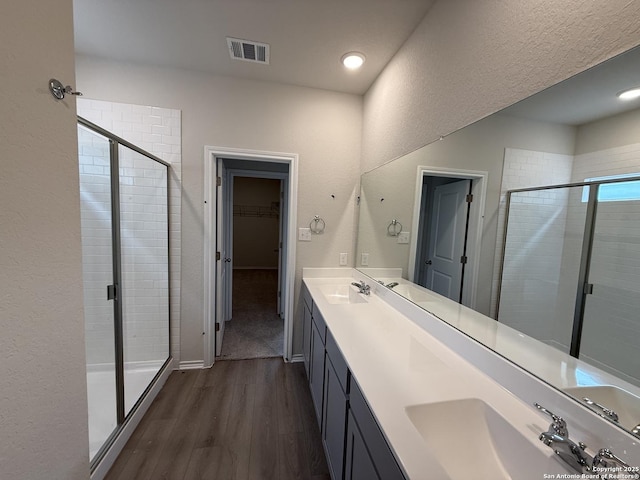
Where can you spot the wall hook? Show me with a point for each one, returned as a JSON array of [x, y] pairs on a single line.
[[58, 91]]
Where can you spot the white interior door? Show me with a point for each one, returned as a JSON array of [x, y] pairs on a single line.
[[448, 227], [223, 255]]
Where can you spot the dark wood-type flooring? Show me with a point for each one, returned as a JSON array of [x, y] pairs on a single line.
[[241, 419]]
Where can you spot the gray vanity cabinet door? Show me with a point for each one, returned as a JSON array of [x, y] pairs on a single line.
[[358, 463], [334, 420], [316, 372], [380, 452], [306, 337]]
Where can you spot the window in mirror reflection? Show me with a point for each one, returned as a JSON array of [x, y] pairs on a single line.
[[615, 192]]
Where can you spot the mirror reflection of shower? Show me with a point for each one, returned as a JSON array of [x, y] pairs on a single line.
[[570, 270]]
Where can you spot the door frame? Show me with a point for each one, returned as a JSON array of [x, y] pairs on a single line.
[[476, 222], [211, 155]]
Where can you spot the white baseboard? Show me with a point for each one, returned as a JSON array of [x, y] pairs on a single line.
[[297, 358], [191, 365]]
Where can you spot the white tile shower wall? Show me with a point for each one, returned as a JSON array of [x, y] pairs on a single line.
[[615, 269], [523, 169], [145, 272], [157, 130], [95, 210]]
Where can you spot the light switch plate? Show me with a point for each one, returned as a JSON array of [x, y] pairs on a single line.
[[304, 234], [403, 237], [364, 259], [343, 259]]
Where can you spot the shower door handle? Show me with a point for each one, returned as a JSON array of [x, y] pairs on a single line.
[[111, 292]]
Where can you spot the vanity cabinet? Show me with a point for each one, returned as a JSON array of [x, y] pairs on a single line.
[[334, 415], [353, 443], [307, 305], [371, 458], [316, 361], [358, 462], [316, 371]]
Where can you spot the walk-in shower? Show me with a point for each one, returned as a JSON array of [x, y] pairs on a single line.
[[125, 257], [571, 270]]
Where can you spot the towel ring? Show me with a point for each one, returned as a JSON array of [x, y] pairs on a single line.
[[317, 225], [394, 228]]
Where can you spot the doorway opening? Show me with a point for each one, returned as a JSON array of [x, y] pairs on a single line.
[[249, 253], [255, 327], [448, 217]]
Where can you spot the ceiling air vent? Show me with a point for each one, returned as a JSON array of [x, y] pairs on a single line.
[[248, 50]]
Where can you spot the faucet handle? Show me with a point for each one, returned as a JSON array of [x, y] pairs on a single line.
[[559, 425], [605, 461]]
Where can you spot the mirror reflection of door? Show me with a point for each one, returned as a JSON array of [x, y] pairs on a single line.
[[443, 227]]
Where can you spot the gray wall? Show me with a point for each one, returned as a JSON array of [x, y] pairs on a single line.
[[43, 404], [468, 59]]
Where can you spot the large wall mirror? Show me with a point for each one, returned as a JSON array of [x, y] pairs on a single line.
[[528, 221]]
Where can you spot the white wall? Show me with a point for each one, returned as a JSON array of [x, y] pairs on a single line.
[[468, 59], [321, 126], [43, 404], [616, 131]]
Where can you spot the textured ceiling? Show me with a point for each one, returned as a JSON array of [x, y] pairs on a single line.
[[307, 37]]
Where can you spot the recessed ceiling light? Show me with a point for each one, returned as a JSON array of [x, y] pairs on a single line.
[[630, 94], [353, 60]]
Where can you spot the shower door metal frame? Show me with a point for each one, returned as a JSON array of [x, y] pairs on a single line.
[[584, 288], [114, 291]]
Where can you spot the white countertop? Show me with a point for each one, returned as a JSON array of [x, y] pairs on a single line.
[[398, 364]]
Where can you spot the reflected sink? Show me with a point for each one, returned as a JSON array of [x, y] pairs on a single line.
[[471, 440], [342, 294], [625, 404], [413, 294]]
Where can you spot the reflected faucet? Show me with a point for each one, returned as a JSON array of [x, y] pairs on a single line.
[[363, 287], [606, 412], [391, 285]]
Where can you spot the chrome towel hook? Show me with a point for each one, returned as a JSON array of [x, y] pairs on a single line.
[[58, 91]]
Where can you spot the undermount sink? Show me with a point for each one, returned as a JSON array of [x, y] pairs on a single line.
[[342, 294], [471, 440], [625, 404]]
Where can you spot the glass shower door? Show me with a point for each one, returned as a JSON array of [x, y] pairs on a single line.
[[97, 264], [144, 269], [542, 263], [611, 322]]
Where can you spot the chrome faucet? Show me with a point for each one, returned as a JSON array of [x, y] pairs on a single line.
[[557, 438], [364, 288], [603, 463]]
